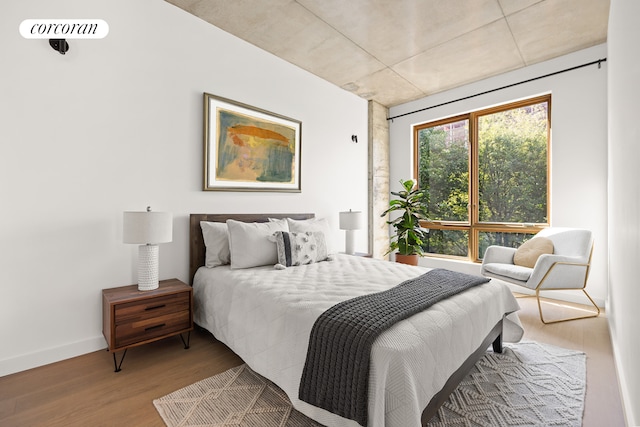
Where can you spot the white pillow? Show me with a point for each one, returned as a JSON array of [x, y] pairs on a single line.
[[249, 242], [216, 240], [312, 225]]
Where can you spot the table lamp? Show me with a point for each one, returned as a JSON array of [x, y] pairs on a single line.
[[350, 221], [147, 229]]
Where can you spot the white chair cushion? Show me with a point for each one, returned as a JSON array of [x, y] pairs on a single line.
[[516, 272]]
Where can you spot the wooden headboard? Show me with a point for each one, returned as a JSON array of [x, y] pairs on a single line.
[[197, 249]]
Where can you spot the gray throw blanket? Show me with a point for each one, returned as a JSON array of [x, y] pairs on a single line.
[[336, 371]]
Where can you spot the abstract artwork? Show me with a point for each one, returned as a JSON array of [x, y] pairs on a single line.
[[249, 149]]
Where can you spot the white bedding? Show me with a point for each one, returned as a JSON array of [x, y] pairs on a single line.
[[265, 316]]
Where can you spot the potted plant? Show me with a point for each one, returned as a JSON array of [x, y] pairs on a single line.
[[409, 235]]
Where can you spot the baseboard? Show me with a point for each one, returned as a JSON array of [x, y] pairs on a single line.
[[50, 355], [622, 384]]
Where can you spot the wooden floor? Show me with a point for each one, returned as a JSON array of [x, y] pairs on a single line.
[[84, 391]]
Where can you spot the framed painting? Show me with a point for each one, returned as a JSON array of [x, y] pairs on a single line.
[[249, 149]]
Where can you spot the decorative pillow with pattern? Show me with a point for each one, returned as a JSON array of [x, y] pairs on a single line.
[[313, 224], [300, 248]]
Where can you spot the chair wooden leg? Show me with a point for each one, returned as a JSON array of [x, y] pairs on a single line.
[[596, 314]]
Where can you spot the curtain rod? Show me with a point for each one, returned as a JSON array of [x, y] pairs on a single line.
[[599, 62]]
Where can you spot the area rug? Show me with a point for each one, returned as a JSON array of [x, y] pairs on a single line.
[[529, 384]]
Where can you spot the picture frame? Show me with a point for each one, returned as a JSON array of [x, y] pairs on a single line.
[[249, 149]]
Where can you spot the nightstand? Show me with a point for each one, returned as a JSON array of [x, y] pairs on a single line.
[[131, 317]]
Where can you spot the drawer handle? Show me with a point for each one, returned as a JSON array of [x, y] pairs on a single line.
[[153, 307], [154, 327]]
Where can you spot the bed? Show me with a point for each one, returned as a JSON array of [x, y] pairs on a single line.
[[265, 315]]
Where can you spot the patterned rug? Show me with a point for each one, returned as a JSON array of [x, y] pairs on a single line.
[[529, 384]]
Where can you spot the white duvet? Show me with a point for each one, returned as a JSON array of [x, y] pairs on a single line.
[[266, 315]]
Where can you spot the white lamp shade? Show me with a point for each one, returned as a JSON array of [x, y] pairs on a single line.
[[351, 220], [147, 227]]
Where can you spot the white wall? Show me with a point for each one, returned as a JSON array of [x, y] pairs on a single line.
[[624, 199], [578, 148], [115, 125]]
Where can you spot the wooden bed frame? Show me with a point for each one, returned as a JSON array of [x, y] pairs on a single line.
[[197, 252]]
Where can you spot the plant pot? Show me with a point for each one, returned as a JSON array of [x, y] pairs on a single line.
[[407, 259]]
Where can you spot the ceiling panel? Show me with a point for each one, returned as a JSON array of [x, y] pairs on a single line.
[[553, 28], [385, 86], [511, 6], [395, 30], [485, 52], [397, 51]]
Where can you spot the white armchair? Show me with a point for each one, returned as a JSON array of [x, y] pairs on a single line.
[[566, 269]]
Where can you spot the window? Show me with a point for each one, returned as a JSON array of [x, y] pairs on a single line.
[[486, 177]]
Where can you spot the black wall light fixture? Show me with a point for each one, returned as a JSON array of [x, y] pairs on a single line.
[[354, 138], [59, 45]]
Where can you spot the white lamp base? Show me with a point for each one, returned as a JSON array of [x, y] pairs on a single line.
[[349, 244], [147, 267]]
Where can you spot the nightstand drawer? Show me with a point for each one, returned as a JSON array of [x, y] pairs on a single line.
[[152, 308], [152, 327]]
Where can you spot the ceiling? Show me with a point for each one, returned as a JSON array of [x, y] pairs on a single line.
[[395, 51]]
